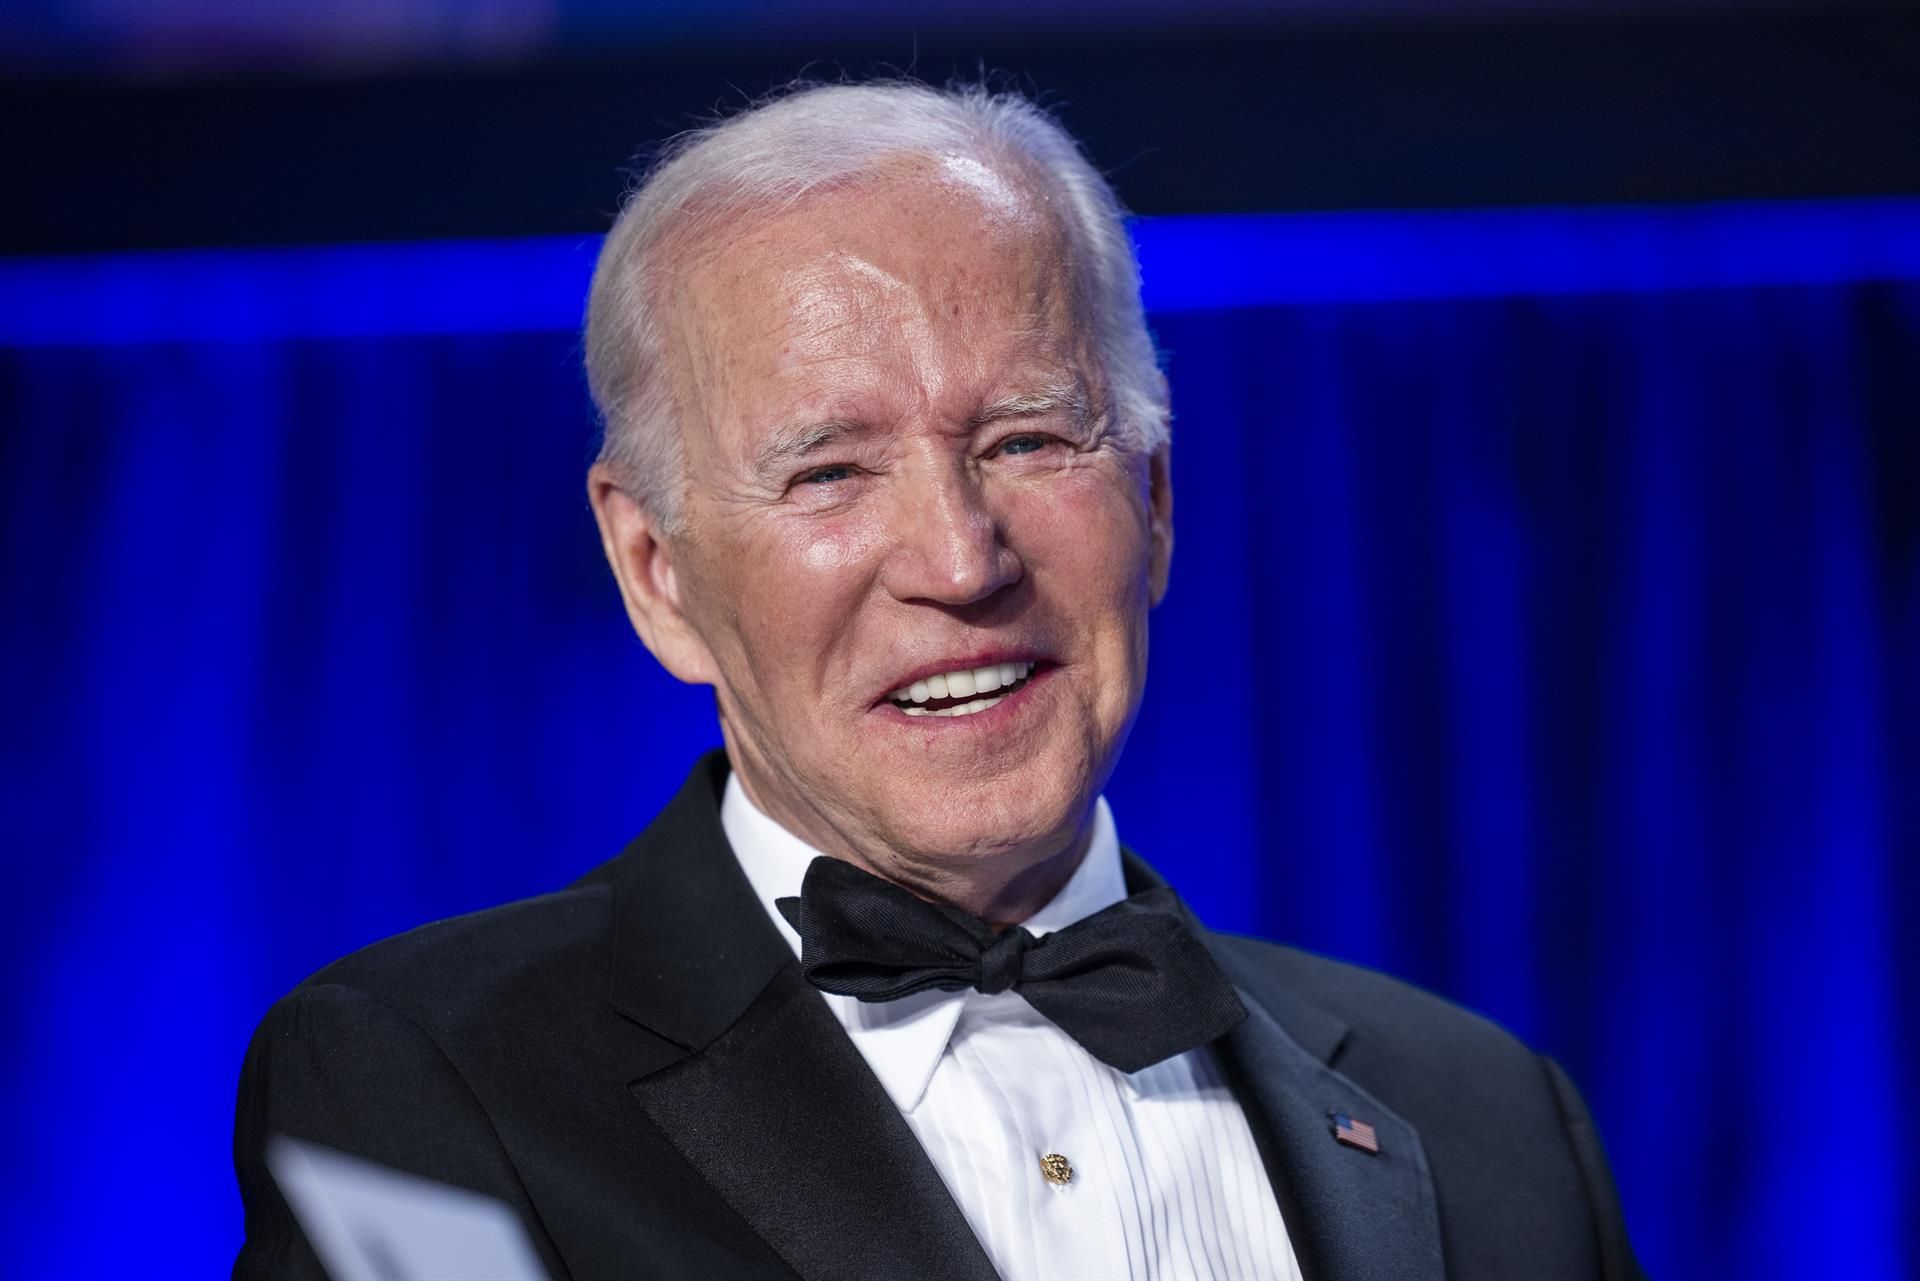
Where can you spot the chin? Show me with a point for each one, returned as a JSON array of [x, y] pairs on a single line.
[[987, 822]]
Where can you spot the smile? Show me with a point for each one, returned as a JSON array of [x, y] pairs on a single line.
[[964, 692]]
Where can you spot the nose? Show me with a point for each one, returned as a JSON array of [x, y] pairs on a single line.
[[949, 546]]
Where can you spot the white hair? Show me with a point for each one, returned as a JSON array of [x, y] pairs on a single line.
[[819, 135]]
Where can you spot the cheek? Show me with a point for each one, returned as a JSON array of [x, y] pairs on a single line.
[[1090, 529], [1087, 543], [829, 552], [796, 590]]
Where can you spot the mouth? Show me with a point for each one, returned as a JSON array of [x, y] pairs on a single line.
[[965, 691]]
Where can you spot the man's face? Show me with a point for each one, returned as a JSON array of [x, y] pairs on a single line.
[[901, 467]]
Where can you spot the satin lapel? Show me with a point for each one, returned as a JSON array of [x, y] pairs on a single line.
[[785, 1120], [1352, 1215], [770, 1102]]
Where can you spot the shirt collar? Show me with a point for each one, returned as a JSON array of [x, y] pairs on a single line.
[[902, 1040]]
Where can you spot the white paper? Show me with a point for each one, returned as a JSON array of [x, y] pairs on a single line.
[[371, 1223]]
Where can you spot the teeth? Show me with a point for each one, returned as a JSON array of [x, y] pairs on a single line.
[[964, 709], [960, 684]]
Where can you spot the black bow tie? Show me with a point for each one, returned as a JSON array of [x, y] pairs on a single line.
[[1130, 983]]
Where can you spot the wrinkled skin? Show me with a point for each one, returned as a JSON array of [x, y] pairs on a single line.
[[886, 474]]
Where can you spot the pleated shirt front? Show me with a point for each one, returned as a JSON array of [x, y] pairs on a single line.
[[1154, 1173]]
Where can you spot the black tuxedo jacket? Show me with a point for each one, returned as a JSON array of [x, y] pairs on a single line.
[[636, 1065]]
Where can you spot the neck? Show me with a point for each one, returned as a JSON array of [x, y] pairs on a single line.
[[1009, 901]]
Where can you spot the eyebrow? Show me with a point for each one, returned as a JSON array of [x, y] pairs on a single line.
[[790, 444], [1029, 404]]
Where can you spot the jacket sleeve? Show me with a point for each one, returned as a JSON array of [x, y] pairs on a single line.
[[1617, 1261], [336, 1066]]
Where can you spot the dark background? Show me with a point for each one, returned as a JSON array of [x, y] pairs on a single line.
[[1546, 107], [1544, 624]]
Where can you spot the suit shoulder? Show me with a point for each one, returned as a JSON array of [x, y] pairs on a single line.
[[549, 951], [1378, 1007]]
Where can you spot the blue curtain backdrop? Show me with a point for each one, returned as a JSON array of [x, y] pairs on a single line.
[[1545, 629]]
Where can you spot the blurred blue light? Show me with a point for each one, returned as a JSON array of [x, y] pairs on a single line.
[[1199, 262], [1208, 263]]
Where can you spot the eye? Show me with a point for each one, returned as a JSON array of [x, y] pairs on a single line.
[[1025, 444], [825, 475]]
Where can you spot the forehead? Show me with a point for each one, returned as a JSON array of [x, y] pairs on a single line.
[[935, 272]]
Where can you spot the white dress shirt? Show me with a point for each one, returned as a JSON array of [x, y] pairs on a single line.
[[1166, 1181]]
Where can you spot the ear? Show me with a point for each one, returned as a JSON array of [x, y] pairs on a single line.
[[1160, 518], [642, 559]]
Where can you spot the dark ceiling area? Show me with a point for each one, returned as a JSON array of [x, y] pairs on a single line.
[[1572, 111]]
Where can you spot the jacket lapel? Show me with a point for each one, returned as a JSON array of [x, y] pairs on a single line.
[[1351, 1214], [770, 1102]]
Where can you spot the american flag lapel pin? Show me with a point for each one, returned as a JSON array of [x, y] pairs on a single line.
[[1355, 1134]]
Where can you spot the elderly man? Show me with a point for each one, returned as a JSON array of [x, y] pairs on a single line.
[[880, 994]]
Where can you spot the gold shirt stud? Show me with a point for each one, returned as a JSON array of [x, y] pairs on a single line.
[[1057, 1168]]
